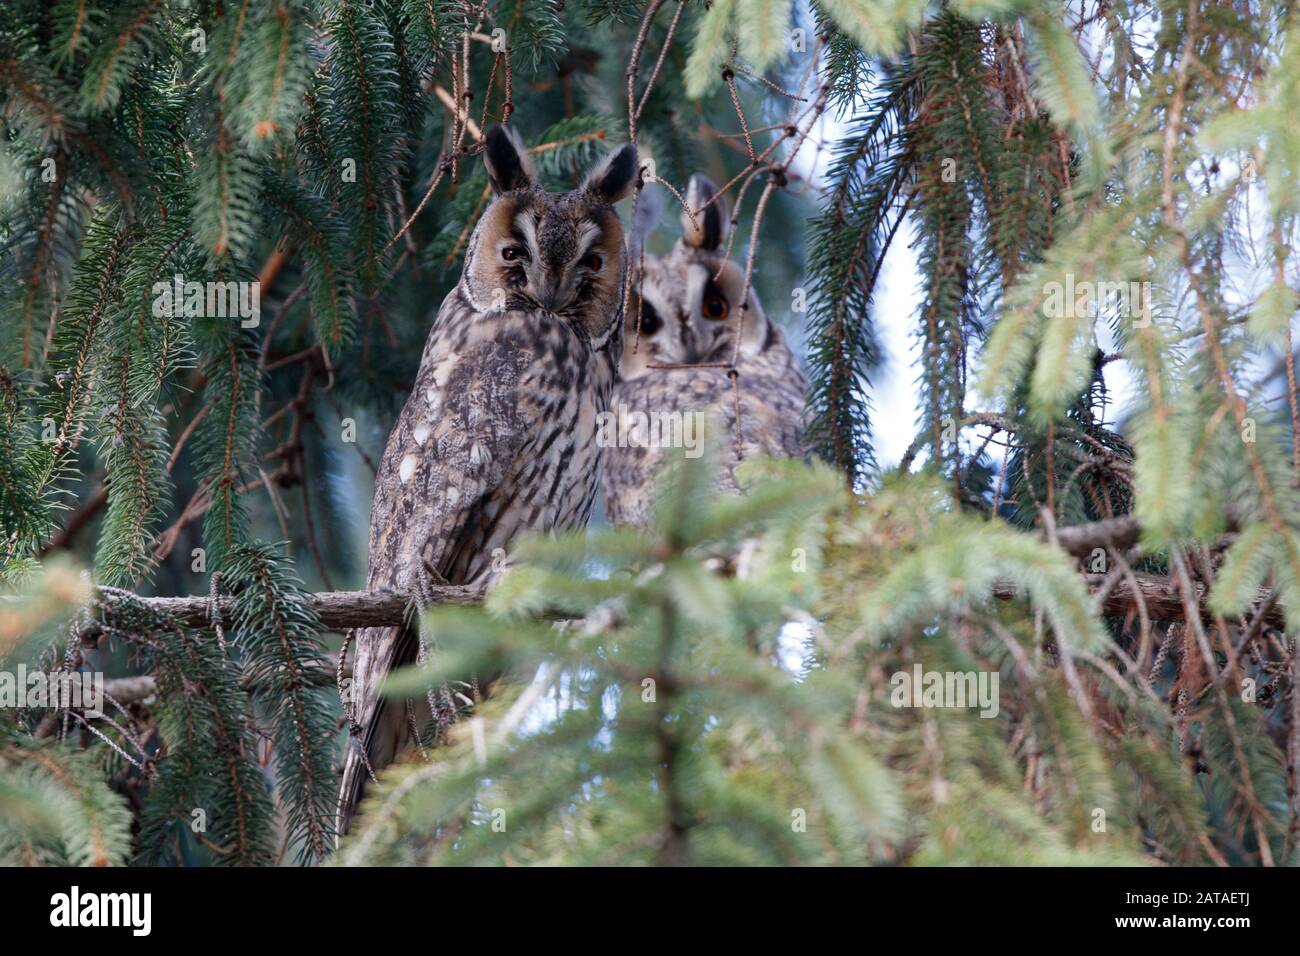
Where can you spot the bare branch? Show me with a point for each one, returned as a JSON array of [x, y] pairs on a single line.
[[337, 610]]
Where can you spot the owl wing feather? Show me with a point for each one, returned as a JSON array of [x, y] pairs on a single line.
[[773, 408], [456, 445], [772, 400], [629, 473]]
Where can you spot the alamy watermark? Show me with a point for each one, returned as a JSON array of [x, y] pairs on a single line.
[[133, 911], [220, 300], [1089, 299], [78, 690], [962, 689], [624, 428]]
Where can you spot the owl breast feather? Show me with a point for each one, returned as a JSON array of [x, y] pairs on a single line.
[[496, 439]]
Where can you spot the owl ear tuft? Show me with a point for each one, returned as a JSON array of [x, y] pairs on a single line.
[[509, 167], [712, 223], [613, 177]]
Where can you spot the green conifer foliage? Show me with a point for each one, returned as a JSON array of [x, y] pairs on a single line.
[[225, 229]]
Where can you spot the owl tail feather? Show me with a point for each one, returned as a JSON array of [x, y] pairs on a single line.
[[368, 753], [375, 742]]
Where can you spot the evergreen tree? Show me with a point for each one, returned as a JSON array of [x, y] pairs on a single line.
[[226, 227]]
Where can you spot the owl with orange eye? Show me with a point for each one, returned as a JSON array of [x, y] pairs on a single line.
[[682, 322]]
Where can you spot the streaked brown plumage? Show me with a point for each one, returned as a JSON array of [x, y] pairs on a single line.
[[498, 434], [689, 315]]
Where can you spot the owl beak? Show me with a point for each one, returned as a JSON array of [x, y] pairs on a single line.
[[688, 342], [551, 296]]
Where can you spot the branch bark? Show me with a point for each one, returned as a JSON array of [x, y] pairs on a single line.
[[1119, 533], [341, 610], [1162, 595], [344, 610], [337, 610], [132, 690]]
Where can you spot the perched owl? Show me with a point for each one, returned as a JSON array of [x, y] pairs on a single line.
[[689, 316], [498, 435]]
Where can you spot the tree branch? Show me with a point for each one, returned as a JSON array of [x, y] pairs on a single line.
[[1163, 598], [344, 610], [1081, 540], [337, 610]]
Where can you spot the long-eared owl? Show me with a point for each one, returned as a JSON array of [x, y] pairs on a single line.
[[498, 436], [687, 305]]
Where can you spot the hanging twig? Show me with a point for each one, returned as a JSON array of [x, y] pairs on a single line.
[[634, 61]]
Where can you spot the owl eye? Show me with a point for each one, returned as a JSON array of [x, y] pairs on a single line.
[[716, 307], [592, 261], [514, 253], [650, 321]]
